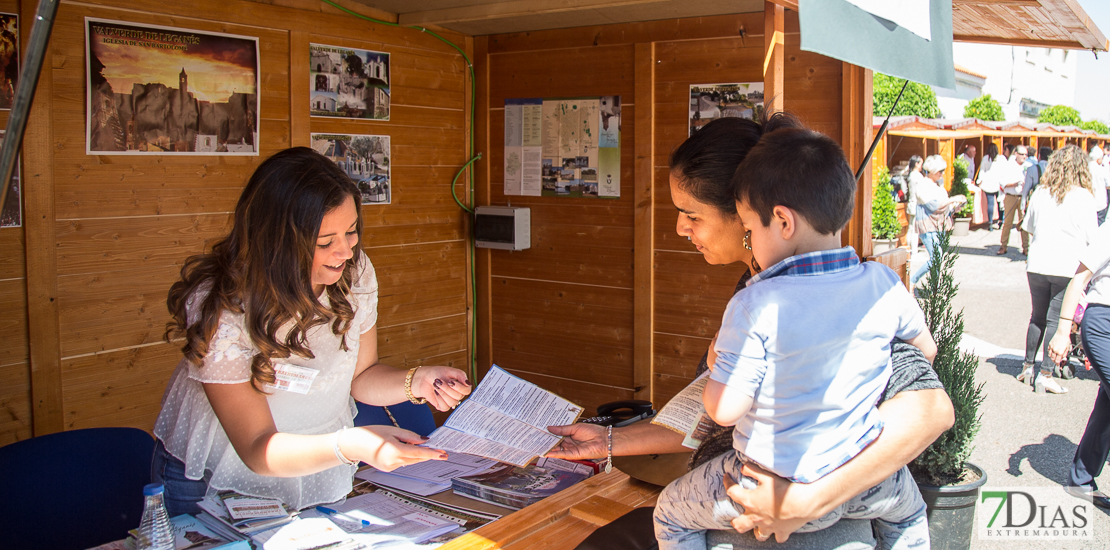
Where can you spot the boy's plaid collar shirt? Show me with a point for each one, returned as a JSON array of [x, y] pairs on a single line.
[[821, 262]]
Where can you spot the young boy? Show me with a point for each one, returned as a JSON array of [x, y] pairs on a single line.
[[803, 353]]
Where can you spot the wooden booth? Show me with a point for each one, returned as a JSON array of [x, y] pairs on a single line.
[[608, 303]]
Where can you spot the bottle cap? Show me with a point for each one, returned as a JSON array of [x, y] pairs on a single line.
[[153, 489]]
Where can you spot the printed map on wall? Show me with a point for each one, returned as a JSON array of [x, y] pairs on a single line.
[[563, 147]]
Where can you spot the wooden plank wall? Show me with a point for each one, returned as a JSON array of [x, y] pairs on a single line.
[[562, 312], [117, 228]]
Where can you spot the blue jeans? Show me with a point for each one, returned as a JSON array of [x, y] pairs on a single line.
[[697, 502], [992, 199], [1094, 446], [182, 494], [930, 241]]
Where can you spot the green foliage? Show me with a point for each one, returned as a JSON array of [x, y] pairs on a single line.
[[919, 99], [1060, 115], [942, 463], [1095, 125], [984, 107], [884, 216], [959, 173]]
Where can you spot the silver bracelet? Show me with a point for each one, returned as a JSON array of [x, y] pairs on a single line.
[[339, 453], [609, 437]]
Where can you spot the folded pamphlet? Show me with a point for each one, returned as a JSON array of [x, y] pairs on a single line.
[[505, 419]]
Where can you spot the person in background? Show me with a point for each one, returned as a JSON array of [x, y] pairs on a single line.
[[1094, 269], [968, 155], [915, 407], [278, 324], [1011, 177], [934, 209], [988, 182], [912, 181], [1061, 223], [1100, 181], [1032, 179]]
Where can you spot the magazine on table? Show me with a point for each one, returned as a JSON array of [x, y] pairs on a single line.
[[514, 486], [230, 512], [506, 419]]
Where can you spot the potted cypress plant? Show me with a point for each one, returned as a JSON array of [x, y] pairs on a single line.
[[960, 179], [885, 226], [948, 482]]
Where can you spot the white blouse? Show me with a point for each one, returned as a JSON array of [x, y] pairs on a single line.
[[1059, 232], [191, 432]]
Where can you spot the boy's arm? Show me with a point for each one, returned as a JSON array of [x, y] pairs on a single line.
[[925, 343], [725, 405]]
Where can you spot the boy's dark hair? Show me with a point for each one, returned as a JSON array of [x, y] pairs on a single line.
[[800, 169], [705, 163], [1043, 153]]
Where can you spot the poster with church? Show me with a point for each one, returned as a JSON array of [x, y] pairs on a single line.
[[348, 83], [165, 90]]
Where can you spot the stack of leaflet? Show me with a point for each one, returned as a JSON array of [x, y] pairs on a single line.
[[516, 487], [429, 477], [238, 517], [190, 534], [369, 519]]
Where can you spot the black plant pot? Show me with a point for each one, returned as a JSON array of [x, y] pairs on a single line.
[[951, 510]]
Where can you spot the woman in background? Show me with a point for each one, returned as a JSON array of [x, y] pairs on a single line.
[[934, 209], [913, 180], [1061, 221], [279, 330], [988, 182]]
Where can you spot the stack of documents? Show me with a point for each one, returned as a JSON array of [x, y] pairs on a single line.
[[237, 517], [430, 477]]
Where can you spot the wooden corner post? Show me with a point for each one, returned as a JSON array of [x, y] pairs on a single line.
[[644, 200], [857, 132], [773, 64]]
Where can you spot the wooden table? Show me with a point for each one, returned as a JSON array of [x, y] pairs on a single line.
[[564, 520]]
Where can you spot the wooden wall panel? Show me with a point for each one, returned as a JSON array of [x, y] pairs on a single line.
[[535, 339], [121, 226], [15, 364]]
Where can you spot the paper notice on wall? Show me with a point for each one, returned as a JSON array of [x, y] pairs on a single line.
[[531, 166], [685, 414], [514, 153], [550, 132], [531, 120]]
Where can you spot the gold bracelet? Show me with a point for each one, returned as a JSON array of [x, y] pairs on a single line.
[[408, 388]]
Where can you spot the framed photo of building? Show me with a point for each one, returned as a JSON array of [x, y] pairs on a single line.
[[365, 159], [9, 58], [348, 83], [708, 102], [165, 90]]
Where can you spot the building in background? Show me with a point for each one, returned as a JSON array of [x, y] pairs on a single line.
[[1023, 80]]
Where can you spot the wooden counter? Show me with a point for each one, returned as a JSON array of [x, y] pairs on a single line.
[[564, 520]]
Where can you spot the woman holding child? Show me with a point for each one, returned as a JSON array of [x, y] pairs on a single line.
[[279, 328], [702, 170]]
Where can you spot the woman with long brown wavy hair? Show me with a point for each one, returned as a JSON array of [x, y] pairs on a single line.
[[1061, 221], [279, 328]]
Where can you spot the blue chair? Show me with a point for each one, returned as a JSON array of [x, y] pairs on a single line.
[[414, 418], [74, 489]]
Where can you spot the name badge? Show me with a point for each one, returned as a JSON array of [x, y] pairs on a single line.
[[293, 378]]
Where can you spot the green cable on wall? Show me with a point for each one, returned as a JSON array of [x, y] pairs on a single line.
[[470, 154]]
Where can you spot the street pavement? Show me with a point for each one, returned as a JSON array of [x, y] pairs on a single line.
[[1026, 440]]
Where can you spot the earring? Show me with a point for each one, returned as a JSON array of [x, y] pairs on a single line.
[[689, 238], [748, 240]]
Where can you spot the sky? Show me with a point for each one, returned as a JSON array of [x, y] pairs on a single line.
[[1092, 89]]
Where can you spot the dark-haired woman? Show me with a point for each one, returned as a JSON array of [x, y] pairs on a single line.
[[279, 322], [700, 186]]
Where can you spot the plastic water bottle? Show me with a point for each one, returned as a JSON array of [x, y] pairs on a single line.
[[155, 531]]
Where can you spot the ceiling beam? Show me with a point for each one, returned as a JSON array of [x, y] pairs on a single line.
[[512, 8]]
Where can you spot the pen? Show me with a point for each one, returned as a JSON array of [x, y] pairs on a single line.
[[331, 512]]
